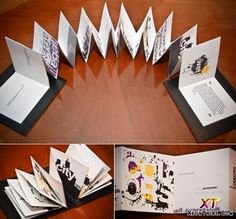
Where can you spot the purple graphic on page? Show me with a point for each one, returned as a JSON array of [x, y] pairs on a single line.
[[50, 53]]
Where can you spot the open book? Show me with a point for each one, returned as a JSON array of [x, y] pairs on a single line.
[[25, 88], [197, 83], [153, 182], [72, 175]]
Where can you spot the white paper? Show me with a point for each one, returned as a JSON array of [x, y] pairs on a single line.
[[84, 35], [200, 176], [147, 181], [26, 209], [31, 191], [83, 154], [15, 204], [22, 91], [101, 37], [49, 187], [15, 184], [27, 62], [197, 83], [67, 40], [19, 95], [48, 47], [71, 172], [163, 39], [199, 62], [186, 41]]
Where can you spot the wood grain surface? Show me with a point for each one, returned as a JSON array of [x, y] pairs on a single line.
[[118, 100], [18, 156]]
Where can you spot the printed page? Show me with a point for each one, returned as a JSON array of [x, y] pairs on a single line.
[[25, 208], [67, 40], [201, 181], [22, 91], [95, 164], [48, 47], [49, 187], [209, 101], [32, 194], [163, 39], [27, 62], [84, 35], [101, 37], [15, 184], [11, 197], [19, 95], [199, 62], [149, 34], [147, 181], [204, 94], [102, 182], [71, 172], [186, 41]]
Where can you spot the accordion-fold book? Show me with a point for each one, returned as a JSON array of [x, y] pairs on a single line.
[[74, 177]]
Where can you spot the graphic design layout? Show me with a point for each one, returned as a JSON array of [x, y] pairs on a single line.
[[153, 182], [28, 91]]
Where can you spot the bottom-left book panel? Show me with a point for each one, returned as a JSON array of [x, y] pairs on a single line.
[[56, 181]]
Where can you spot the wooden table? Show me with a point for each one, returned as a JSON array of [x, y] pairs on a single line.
[[12, 157], [118, 100], [170, 150]]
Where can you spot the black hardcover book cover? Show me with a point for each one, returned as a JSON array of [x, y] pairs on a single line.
[[11, 213], [40, 107], [202, 133]]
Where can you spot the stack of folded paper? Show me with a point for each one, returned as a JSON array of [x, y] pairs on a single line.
[[72, 175]]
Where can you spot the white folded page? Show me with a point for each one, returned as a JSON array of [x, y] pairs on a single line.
[[27, 62], [26, 209], [197, 83], [186, 41], [50, 187], [102, 182], [163, 39], [32, 192], [202, 176], [199, 62], [101, 37], [84, 35], [147, 181], [48, 47], [67, 40], [19, 95], [131, 37], [149, 34], [96, 189], [22, 91], [71, 172], [15, 204], [14, 183], [83, 154]]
